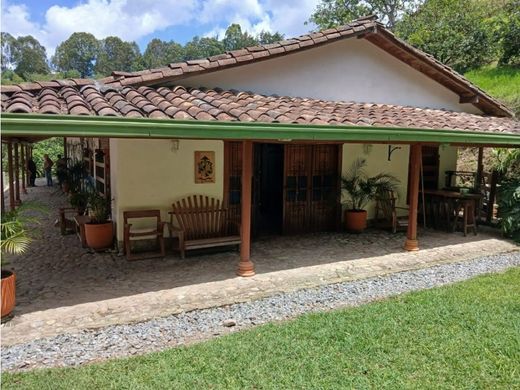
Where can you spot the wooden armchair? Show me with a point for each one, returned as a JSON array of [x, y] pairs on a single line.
[[386, 213], [147, 233], [66, 220], [203, 223]]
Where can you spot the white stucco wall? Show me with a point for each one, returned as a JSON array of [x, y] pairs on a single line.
[[151, 174], [348, 70], [447, 162], [377, 162]]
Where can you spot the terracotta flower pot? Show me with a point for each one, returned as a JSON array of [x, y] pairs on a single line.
[[99, 235], [355, 220], [8, 292]]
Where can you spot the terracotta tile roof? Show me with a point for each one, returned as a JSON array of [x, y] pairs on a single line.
[[218, 105], [367, 28]]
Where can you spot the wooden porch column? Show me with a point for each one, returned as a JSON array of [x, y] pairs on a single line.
[[27, 157], [24, 167], [17, 173], [246, 267], [411, 243], [10, 172], [480, 168], [2, 181]]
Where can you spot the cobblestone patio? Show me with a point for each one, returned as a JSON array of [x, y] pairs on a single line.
[[62, 287]]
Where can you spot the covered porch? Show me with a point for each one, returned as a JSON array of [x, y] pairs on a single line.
[[63, 288]]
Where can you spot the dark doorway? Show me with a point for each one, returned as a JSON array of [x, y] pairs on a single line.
[[268, 189]]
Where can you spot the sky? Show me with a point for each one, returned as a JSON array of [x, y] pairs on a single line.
[[53, 21]]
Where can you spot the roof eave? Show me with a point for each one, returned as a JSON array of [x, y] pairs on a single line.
[[27, 125]]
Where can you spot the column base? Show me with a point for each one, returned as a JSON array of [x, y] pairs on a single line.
[[411, 245], [246, 268]]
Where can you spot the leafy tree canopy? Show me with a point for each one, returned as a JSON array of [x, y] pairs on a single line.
[[24, 55], [79, 52], [202, 47], [235, 38], [116, 54], [463, 34], [331, 13], [160, 53]]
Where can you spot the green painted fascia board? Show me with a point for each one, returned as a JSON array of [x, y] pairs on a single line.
[[20, 125]]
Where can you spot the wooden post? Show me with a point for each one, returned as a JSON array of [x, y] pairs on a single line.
[[480, 169], [65, 150], [492, 196], [246, 267], [17, 173], [11, 175], [2, 180], [24, 167], [411, 243], [27, 157]]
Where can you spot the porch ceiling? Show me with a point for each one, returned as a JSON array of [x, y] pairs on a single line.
[[37, 126]]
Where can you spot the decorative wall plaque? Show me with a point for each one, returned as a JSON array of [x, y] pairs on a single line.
[[204, 167]]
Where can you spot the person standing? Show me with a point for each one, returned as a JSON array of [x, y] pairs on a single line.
[[31, 170], [47, 167], [61, 169]]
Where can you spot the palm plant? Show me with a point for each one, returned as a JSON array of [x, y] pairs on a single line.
[[361, 189], [15, 229]]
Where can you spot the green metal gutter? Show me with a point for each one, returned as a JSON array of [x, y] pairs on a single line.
[[26, 125]]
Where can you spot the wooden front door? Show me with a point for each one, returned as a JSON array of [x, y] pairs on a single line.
[[311, 192], [310, 186]]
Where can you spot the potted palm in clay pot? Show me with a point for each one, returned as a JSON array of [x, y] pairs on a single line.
[[360, 189], [99, 232], [15, 239]]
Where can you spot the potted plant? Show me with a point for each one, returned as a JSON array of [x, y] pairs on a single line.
[[99, 231], [15, 239], [360, 189]]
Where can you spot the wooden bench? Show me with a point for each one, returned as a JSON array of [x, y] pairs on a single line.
[[155, 232], [202, 222]]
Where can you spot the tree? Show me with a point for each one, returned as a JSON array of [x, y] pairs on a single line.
[[24, 55], [265, 37], [78, 52], [202, 47], [161, 53], [115, 54], [29, 56], [332, 13], [236, 39], [8, 42], [511, 34], [459, 33]]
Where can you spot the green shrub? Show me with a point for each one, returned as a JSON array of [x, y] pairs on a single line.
[[509, 208]]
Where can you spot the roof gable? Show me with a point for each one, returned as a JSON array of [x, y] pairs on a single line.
[[365, 28]]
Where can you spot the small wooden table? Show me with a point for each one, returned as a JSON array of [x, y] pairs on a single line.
[[442, 204], [80, 221]]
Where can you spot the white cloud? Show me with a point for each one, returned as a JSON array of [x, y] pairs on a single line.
[[16, 20], [287, 17], [134, 19]]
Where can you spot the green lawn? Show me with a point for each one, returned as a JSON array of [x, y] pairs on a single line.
[[503, 83], [461, 336]]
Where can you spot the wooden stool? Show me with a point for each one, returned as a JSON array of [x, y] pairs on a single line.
[[467, 207]]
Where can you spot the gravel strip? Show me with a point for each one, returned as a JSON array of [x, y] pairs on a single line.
[[157, 334]]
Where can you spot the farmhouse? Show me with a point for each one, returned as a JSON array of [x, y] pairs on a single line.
[[267, 130]]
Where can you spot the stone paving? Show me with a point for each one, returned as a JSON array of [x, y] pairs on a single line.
[[63, 288]]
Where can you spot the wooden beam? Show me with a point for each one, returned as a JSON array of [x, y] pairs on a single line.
[[10, 172], [471, 98], [17, 174], [411, 243], [246, 267]]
